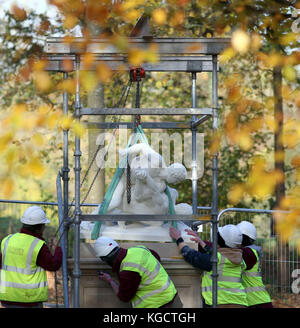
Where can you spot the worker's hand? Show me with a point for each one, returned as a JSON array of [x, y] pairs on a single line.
[[105, 276], [175, 233], [195, 238]]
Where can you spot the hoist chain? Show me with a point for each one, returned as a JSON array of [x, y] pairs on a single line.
[[135, 75]]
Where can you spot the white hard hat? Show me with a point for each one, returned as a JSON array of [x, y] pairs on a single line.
[[248, 229], [231, 234], [104, 245], [34, 215]]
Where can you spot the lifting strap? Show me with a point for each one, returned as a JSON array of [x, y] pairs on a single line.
[[138, 135]]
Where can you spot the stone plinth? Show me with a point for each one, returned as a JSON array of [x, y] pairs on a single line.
[[96, 293]]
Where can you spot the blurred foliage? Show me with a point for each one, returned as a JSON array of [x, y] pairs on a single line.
[[263, 41]]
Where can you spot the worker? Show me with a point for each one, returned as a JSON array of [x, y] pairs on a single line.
[[24, 259], [257, 295], [231, 292], [142, 279]]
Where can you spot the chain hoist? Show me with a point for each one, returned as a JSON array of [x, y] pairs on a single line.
[[136, 74]]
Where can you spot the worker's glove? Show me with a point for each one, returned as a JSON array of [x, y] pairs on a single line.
[[195, 238], [175, 233], [105, 276]]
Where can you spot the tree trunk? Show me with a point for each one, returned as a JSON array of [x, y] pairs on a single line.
[[282, 247]]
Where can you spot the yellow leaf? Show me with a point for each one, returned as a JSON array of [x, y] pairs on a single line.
[[159, 16], [136, 56], [53, 120], [5, 140], [33, 167], [151, 55], [130, 4], [240, 41], [271, 123], [19, 108], [88, 60], [42, 81], [288, 38], [10, 157], [88, 80], [104, 73], [289, 73], [274, 59], [177, 19], [38, 139], [132, 15], [236, 193], [158, 84], [78, 129], [70, 21], [66, 122], [39, 65], [68, 85], [7, 187], [244, 139]]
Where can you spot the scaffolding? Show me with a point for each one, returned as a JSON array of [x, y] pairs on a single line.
[[190, 55]]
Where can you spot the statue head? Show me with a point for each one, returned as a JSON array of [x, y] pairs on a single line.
[[176, 173]]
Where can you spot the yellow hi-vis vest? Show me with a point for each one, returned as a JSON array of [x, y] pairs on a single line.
[[156, 287], [229, 288], [21, 280], [253, 283]]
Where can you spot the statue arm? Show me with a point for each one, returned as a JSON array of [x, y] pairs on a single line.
[[144, 180], [139, 148]]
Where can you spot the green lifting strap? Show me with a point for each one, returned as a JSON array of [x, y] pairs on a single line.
[[171, 206], [138, 136]]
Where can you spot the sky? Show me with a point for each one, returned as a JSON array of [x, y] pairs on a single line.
[[40, 6]]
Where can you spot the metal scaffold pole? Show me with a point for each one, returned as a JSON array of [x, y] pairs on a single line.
[[65, 178], [194, 146], [214, 210], [77, 211]]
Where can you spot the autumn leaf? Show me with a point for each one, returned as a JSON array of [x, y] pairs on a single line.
[[68, 85], [159, 16], [236, 193], [289, 73], [78, 129], [7, 187], [88, 80], [226, 55], [33, 167], [42, 81], [136, 56], [296, 161], [240, 41], [66, 122], [104, 73], [19, 13]]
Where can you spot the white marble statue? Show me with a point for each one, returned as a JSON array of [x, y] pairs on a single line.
[[149, 178]]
